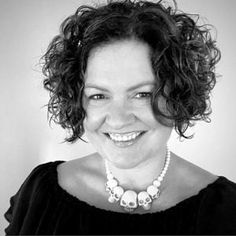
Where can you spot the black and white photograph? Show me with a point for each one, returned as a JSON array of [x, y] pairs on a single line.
[[118, 117]]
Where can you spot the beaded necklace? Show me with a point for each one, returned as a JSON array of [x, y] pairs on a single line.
[[129, 200]]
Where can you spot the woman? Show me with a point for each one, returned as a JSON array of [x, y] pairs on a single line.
[[126, 74]]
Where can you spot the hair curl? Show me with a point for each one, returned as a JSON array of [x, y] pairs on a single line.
[[183, 57]]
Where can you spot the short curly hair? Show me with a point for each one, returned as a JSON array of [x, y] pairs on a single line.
[[183, 57]]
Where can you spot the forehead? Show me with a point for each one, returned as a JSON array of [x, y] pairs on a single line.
[[118, 62]]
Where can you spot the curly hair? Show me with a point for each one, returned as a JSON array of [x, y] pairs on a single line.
[[183, 57]]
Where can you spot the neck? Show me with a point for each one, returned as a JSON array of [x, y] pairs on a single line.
[[139, 177]]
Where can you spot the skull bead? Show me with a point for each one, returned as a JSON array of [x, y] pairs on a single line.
[[117, 192], [153, 191], [110, 184], [144, 200], [129, 200]]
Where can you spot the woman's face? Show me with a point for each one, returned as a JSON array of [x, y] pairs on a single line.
[[119, 120]]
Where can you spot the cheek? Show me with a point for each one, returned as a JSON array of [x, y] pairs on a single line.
[[93, 120], [147, 117], [156, 126], [160, 105]]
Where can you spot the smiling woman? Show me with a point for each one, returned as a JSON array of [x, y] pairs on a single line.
[[119, 74], [125, 74]]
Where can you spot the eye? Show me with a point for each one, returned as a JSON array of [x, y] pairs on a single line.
[[97, 97], [143, 95]]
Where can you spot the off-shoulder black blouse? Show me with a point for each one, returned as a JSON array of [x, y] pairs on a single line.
[[42, 207]]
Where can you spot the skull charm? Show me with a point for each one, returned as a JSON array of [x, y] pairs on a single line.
[[144, 200], [129, 200], [116, 193], [110, 184], [153, 191]]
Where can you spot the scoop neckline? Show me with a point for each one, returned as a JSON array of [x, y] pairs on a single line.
[[86, 206]]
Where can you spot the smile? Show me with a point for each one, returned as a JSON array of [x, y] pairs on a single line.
[[123, 140]]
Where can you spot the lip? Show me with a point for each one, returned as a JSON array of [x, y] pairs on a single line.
[[124, 133], [124, 144]]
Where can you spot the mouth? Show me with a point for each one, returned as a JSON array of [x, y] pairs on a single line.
[[125, 139]]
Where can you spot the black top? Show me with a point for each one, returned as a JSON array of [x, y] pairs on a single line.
[[41, 206]]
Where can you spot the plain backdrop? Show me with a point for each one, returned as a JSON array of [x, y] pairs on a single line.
[[26, 140]]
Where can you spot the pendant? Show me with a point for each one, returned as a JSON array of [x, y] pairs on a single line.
[[144, 200], [129, 200]]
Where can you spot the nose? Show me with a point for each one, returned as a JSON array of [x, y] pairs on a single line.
[[119, 116]]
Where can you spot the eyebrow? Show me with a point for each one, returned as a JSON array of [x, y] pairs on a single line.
[[89, 85]]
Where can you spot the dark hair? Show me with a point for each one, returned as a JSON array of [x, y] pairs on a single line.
[[183, 57]]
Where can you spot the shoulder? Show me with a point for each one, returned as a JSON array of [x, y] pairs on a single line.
[[216, 197], [221, 195], [34, 191], [217, 211], [225, 187], [41, 174]]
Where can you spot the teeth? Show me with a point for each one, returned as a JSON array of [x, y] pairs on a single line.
[[124, 137]]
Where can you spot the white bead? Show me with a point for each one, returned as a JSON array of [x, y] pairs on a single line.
[[110, 176], [112, 183], [111, 199], [152, 189], [156, 183], [160, 178], [162, 175]]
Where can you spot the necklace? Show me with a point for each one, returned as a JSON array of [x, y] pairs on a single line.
[[129, 200]]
